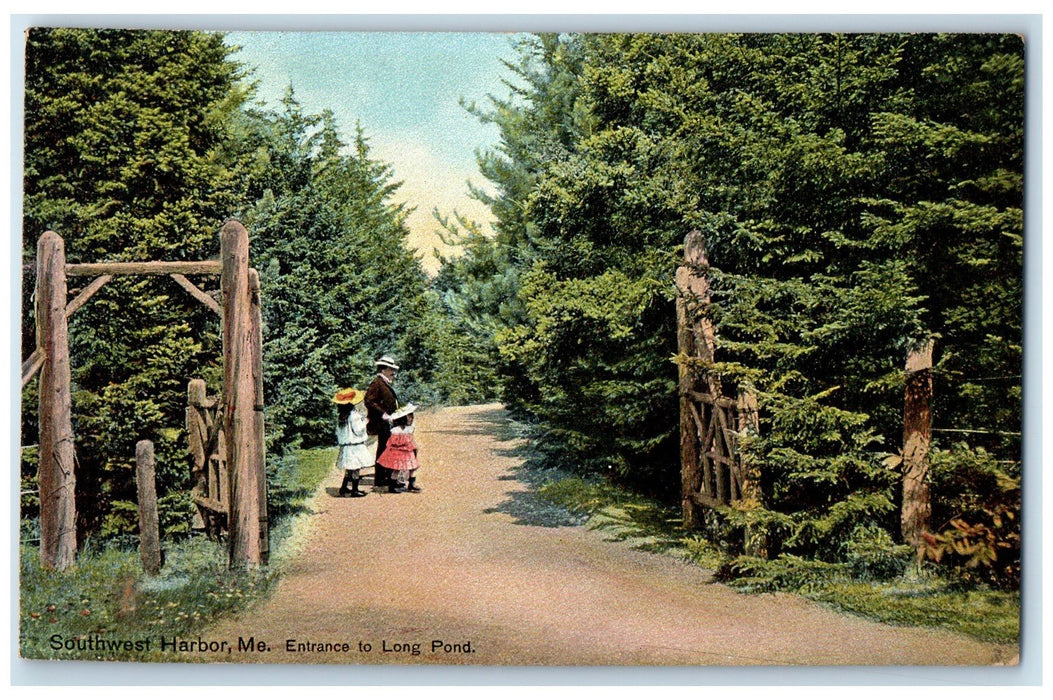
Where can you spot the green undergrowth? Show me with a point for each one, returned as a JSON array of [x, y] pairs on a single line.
[[917, 598], [987, 615], [106, 599], [107, 608]]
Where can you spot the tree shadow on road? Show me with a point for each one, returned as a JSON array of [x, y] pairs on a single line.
[[530, 507], [558, 497], [525, 507], [645, 526]]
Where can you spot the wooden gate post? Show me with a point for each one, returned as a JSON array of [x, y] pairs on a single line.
[[243, 453], [259, 445], [756, 539], [149, 527], [695, 341], [917, 436], [55, 471], [197, 435]]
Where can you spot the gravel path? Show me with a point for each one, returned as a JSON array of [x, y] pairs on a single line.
[[453, 575]]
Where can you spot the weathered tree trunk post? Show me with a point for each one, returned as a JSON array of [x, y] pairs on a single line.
[[696, 341], [696, 260], [259, 445], [149, 528], [55, 471], [917, 436], [690, 469], [238, 394]]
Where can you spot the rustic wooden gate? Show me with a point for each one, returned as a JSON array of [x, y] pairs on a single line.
[[715, 420], [242, 414], [717, 428], [208, 459]]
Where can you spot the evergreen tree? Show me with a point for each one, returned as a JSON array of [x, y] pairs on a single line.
[[475, 294], [122, 134], [858, 194], [339, 284]]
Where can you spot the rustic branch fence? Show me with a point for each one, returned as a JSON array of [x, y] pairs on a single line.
[[245, 496]]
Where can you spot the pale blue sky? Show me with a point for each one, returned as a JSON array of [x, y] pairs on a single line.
[[404, 89]]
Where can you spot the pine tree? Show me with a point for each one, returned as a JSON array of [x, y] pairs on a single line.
[[338, 281], [858, 193], [122, 135]]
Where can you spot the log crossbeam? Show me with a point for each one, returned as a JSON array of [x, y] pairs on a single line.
[[201, 267], [35, 361]]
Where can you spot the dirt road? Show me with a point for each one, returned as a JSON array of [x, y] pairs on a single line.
[[449, 576]]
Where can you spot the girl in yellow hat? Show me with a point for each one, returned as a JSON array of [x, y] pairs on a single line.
[[351, 437]]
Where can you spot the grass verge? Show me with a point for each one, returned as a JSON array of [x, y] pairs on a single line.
[[106, 608]]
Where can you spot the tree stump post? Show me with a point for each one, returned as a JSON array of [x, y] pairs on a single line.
[[917, 436], [243, 521], [149, 527], [56, 477]]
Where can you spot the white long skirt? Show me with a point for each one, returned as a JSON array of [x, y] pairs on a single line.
[[356, 457]]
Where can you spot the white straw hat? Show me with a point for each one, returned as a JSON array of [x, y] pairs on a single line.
[[386, 361]]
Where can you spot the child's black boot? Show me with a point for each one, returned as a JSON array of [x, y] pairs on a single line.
[[355, 493], [412, 487]]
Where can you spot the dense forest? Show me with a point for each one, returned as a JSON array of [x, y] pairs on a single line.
[[858, 194], [138, 146]]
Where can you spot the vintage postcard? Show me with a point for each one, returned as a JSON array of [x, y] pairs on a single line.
[[654, 348]]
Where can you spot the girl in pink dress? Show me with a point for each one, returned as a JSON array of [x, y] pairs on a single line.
[[400, 455]]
